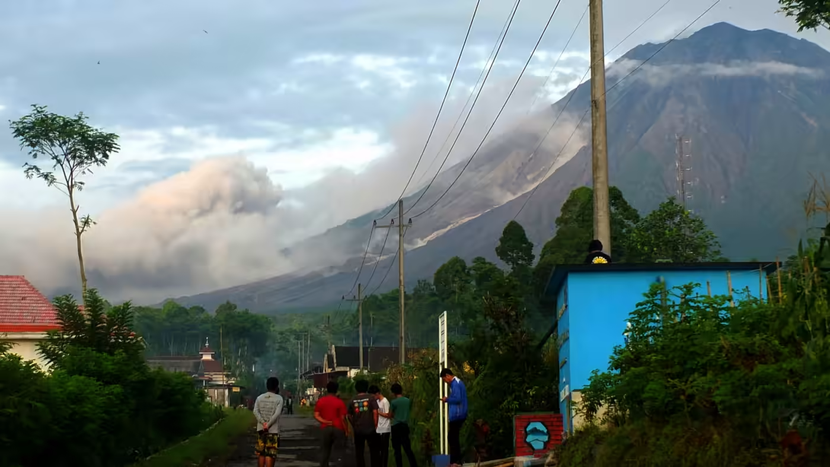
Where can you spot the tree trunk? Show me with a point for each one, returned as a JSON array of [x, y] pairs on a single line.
[[78, 243]]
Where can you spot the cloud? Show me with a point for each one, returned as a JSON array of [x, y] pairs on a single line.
[[662, 75]]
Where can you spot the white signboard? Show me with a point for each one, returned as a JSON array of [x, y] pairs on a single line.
[[443, 390], [564, 393]]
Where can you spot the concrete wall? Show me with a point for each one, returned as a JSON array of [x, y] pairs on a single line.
[[597, 308], [25, 345]]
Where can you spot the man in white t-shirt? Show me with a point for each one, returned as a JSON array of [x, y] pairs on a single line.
[[384, 429], [267, 410]]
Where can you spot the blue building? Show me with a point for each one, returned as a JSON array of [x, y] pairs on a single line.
[[593, 303]]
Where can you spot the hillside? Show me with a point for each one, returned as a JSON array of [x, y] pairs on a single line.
[[755, 105]]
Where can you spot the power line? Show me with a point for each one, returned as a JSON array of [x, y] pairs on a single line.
[[380, 255], [512, 90], [467, 102], [713, 5], [567, 102], [368, 242], [443, 101], [385, 275], [607, 91], [470, 112], [561, 54]]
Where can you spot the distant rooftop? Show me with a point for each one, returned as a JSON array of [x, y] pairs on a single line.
[[23, 308]]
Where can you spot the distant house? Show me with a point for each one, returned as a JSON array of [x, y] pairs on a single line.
[[345, 361], [206, 372], [26, 315]]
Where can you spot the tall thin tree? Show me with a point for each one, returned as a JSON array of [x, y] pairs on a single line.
[[74, 148]]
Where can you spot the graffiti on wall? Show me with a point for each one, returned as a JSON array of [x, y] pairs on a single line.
[[536, 433]]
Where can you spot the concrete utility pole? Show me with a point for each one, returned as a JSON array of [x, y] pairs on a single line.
[[359, 300], [299, 362], [599, 131], [401, 290]]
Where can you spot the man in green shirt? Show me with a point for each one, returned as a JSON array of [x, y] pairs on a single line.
[[400, 408]]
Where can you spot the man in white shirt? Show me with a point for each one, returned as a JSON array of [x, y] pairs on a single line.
[[384, 429], [267, 410]]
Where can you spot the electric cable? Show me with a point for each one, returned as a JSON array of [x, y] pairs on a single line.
[[561, 54], [443, 101], [385, 275], [368, 242], [509, 95], [607, 90], [379, 256], [467, 102], [470, 112]]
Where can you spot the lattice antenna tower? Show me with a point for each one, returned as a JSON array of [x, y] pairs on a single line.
[[683, 165]]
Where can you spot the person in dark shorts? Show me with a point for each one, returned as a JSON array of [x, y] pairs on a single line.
[[267, 410], [290, 405], [457, 402], [363, 414], [400, 408], [330, 411]]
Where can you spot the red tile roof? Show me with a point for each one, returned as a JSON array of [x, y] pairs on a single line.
[[23, 308]]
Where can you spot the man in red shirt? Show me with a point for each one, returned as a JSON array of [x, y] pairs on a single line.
[[330, 411]]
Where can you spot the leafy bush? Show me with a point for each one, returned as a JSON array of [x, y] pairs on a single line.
[[101, 405]]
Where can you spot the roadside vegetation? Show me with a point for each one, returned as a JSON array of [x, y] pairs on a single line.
[[213, 445]]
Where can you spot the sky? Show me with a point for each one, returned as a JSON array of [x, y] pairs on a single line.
[[245, 126]]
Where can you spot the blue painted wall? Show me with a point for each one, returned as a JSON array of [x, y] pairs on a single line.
[[597, 308]]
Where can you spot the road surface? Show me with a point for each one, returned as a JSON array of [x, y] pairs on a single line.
[[299, 446]]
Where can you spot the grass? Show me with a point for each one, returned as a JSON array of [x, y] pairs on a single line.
[[217, 442]]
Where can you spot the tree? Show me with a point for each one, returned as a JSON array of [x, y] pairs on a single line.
[[74, 149], [93, 329], [671, 233], [809, 14], [485, 274], [452, 279], [515, 249], [575, 227]]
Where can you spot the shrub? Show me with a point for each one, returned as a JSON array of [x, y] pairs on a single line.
[[102, 405]]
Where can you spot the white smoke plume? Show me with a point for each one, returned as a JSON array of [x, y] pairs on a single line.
[[225, 222]]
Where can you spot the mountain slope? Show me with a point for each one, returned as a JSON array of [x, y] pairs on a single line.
[[755, 105]]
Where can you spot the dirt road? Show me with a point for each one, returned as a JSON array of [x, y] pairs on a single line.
[[299, 446]]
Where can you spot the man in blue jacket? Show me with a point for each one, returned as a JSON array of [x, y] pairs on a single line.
[[457, 402]]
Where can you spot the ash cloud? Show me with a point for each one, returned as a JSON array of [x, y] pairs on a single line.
[[225, 222]]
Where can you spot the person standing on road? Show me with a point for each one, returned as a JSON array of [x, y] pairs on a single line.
[[267, 410], [384, 430], [363, 413], [290, 405], [457, 402], [330, 411], [400, 408]]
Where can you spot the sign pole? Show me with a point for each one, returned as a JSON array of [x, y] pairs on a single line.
[[443, 413]]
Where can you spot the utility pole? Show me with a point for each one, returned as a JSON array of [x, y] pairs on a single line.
[[401, 290], [299, 357], [222, 351], [359, 300], [599, 130], [308, 351]]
